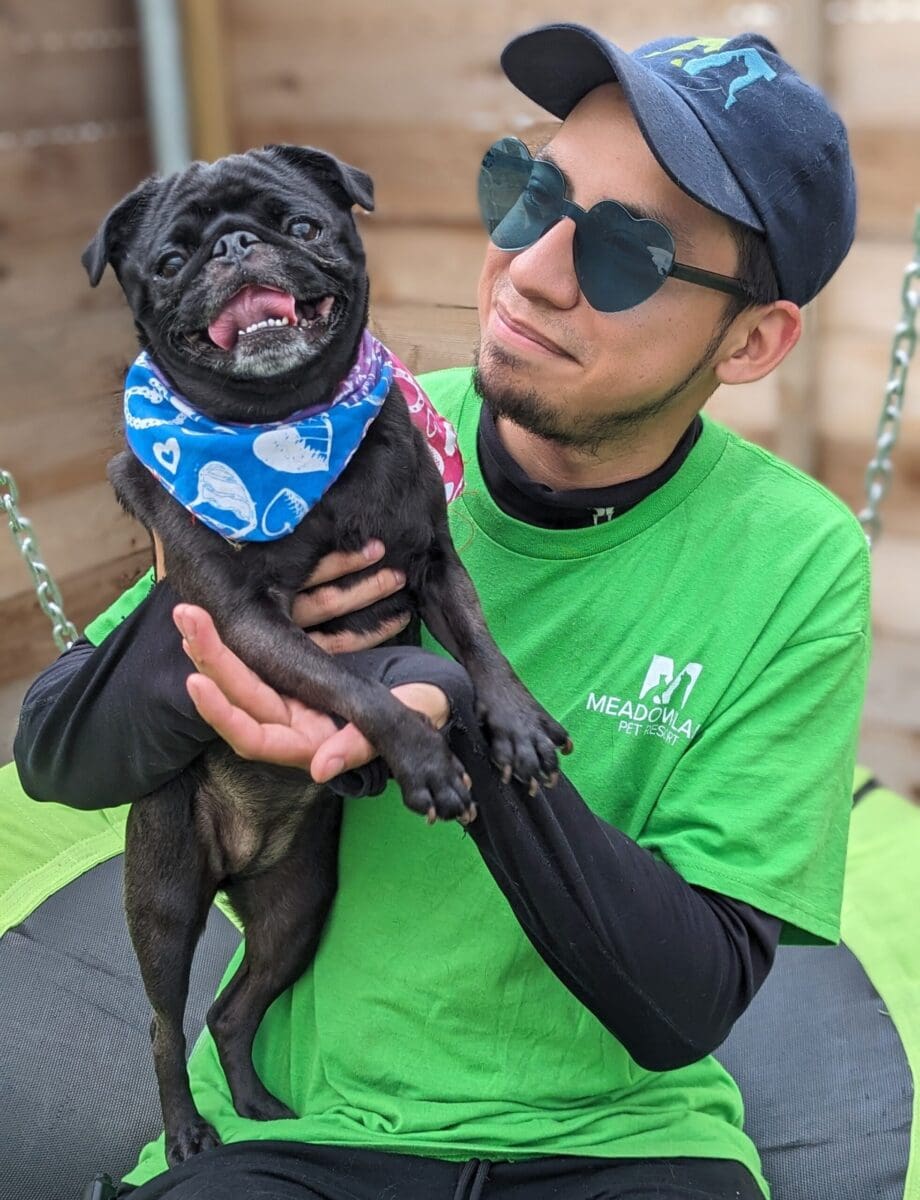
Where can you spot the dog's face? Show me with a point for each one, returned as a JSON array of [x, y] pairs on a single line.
[[246, 276]]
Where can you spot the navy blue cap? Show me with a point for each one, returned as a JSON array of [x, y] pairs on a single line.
[[730, 121]]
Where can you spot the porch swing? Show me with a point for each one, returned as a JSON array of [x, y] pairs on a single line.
[[826, 1057]]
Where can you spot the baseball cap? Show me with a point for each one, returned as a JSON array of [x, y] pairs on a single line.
[[730, 121]]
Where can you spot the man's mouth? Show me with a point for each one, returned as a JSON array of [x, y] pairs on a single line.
[[256, 314]]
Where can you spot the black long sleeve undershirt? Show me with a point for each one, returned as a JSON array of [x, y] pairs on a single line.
[[665, 966]]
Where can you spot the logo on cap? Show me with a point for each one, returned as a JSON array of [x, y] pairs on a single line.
[[756, 65]]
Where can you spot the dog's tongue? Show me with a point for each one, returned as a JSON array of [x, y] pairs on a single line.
[[250, 305]]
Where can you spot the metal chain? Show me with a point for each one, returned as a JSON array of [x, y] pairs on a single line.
[[49, 597], [879, 471]]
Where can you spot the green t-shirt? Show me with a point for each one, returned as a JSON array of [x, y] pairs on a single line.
[[707, 652]]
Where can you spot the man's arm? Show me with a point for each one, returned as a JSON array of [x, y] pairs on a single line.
[[104, 725]]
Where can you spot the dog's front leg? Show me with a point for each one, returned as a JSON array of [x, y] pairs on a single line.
[[433, 781], [523, 736]]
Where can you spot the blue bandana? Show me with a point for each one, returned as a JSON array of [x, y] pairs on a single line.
[[252, 483]]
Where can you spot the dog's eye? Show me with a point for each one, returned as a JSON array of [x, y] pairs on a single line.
[[170, 264], [303, 227]]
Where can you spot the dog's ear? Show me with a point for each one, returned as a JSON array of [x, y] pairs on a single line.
[[111, 238], [356, 185]]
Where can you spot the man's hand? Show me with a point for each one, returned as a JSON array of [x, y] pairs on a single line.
[[321, 600], [259, 723]]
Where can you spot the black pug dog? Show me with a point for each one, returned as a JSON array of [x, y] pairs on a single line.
[[278, 222]]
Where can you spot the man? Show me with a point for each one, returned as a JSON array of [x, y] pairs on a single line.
[[693, 610]]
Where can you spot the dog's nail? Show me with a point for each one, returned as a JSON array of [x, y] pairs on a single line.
[[467, 782], [534, 788], [432, 815], [568, 747], [506, 774], [553, 779]]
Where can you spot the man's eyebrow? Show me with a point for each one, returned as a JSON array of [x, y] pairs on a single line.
[[645, 212]]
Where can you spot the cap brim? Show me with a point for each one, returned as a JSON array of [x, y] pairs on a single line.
[[557, 65]]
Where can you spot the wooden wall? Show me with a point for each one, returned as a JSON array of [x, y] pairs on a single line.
[[411, 91], [73, 139]]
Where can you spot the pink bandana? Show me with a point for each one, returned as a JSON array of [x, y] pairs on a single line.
[[439, 433]]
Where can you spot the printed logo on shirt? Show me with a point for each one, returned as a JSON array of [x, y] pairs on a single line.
[[658, 711]]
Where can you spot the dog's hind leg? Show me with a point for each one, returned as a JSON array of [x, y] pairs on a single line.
[[283, 910], [168, 890]]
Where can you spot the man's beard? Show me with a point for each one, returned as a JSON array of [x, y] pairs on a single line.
[[528, 410]]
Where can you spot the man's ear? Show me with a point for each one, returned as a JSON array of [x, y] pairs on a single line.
[[108, 246], [358, 187], [759, 342]]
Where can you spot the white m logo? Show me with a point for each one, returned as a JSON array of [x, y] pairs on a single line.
[[662, 677]]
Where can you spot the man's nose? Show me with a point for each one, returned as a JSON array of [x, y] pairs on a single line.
[[546, 270], [234, 246]]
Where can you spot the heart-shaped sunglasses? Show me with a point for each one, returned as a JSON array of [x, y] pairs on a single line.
[[619, 260]]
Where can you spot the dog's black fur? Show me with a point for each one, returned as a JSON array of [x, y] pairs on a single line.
[[181, 249]]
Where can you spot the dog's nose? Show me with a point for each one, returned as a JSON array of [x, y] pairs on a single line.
[[234, 245]]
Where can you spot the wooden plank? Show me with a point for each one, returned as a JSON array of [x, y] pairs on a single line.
[[842, 468], [80, 528], [864, 297], [427, 337], [40, 90], [405, 52], [890, 734], [423, 264], [874, 65], [21, 18], [26, 645], [84, 359], [70, 188], [43, 280], [894, 757], [51, 472], [896, 586], [853, 374], [887, 165]]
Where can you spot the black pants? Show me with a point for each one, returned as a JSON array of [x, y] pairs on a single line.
[[296, 1171]]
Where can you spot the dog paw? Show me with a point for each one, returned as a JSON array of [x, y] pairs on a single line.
[[192, 1138], [437, 786], [524, 739]]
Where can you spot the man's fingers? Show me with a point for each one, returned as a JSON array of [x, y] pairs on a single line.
[[241, 686], [341, 562], [249, 738], [346, 749], [346, 643], [323, 603]]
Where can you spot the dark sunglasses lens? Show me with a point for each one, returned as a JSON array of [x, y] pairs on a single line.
[[519, 199], [620, 261]]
